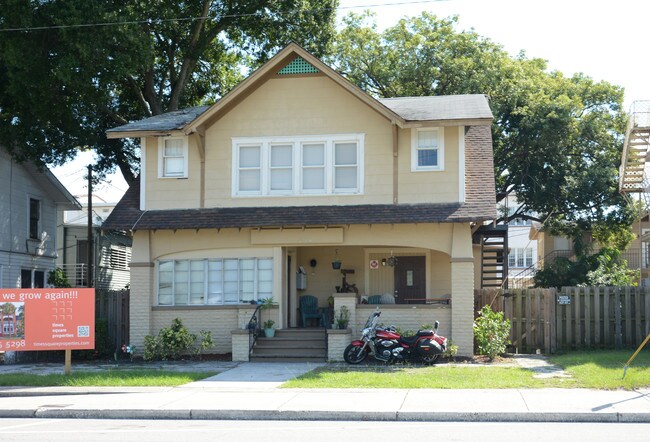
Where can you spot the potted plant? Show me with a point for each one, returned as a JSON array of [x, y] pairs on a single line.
[[269, 331], [343, 318], [266, 304]]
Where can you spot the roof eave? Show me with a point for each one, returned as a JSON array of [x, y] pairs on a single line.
[[449, 122], [143, 133]]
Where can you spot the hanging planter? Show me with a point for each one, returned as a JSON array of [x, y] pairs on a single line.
[[336, 264]]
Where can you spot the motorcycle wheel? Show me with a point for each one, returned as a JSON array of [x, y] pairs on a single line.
[[354, 354], [430, 359]]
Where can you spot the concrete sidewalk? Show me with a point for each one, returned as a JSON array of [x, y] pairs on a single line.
[[249, 391]]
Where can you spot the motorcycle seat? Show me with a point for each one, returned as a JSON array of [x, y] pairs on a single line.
[[411, 340]]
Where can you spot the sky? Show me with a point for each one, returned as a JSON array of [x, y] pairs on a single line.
[[606, 40]]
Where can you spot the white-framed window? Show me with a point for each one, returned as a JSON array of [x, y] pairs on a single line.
[[427, 149], [304, 165], [520, 257], [172, 157], [214, 281]]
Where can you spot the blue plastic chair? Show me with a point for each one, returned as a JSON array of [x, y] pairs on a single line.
[[309, 309]]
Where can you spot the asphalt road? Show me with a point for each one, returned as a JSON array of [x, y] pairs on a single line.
[[313, 431]]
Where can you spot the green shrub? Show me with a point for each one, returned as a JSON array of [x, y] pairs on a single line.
[[151, 348], [491, 332], [175, 341], [57, 278], [451, 351]]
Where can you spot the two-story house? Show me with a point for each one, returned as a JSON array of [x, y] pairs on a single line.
[[296, 168], [31, 202]]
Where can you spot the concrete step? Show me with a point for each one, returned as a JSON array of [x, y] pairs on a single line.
[[293, 344], [277, 342], [285, 359]]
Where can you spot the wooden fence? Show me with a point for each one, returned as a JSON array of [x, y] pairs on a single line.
[[572, 318], [113, 306]]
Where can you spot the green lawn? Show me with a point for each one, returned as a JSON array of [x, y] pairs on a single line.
[[109, 378], [596, 369]]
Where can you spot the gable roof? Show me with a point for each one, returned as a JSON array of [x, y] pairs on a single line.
[[453, 109], [46, 180]]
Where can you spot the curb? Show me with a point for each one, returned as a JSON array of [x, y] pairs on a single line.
[[318, 415]]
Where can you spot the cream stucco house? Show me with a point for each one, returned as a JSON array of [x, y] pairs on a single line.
[[294, 168]]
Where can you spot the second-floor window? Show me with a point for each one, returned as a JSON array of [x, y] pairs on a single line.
[[520, 257], [427, 149], [34, 218], [308, 165], [172, 157]]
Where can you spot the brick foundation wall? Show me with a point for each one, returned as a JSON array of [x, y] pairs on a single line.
[[337, 340]]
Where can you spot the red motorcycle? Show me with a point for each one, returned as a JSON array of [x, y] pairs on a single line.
[[385, 344]]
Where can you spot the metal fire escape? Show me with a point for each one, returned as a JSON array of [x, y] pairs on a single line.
[[632, 174]]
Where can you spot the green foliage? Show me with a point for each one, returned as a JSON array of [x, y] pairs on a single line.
[[57, 278], [152, 349], [80, 80], [343, 317], [605, 268], [491, 332], [205, 344], [451, 350], [171, 343], [557, 139], [268, 323], [612, 270]]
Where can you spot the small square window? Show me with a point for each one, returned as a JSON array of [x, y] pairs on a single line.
[[427, 149], [172, 158]]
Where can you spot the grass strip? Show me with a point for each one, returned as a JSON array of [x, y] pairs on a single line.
[[445, 377], [604, 369], [108, 378], [598, 369]]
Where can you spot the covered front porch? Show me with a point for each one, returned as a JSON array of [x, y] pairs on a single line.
[[416, 274]]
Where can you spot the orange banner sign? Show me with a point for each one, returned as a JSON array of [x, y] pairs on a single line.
[[47, 319]]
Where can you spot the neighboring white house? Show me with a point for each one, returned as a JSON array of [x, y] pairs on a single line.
[[522, 254], [112, 249], [30, 201]]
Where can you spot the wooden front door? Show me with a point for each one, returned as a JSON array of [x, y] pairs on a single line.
[[410, 280]]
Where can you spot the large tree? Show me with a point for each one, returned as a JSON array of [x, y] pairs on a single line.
[[557, 139], [71, 69]]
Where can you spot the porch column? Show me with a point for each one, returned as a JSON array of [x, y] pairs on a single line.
[[462, 290], [142, 290]]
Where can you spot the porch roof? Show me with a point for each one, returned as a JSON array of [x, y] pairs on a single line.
[[128, 216]]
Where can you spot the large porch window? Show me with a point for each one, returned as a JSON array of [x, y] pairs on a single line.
[[214, 281]]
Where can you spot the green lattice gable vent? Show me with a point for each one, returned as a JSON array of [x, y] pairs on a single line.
[[298, 66]]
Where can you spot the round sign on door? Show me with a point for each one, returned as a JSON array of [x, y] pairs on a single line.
[[374, 264]]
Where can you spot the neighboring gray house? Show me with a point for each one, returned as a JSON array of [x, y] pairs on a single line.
[[30, 202], [112, 249]]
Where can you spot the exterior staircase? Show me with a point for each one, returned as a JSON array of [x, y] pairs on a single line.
[[635, 149], [494, 255], [293, 344]]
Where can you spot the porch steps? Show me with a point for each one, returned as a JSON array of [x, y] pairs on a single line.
[[294, 344]]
